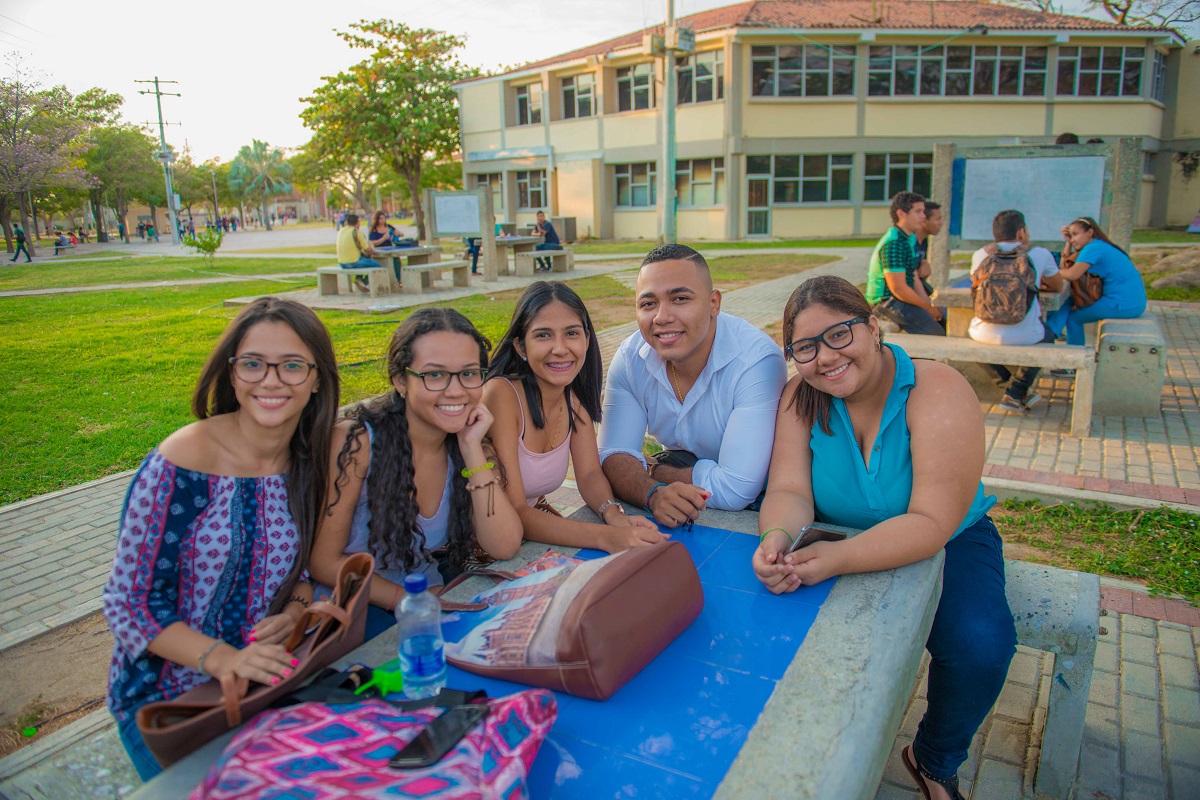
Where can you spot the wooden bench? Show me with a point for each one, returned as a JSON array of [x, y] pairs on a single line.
[[423, 275], [1058, 356], [335, 280], [560, 260]]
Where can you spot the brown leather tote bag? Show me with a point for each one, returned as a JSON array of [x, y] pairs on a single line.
[[328, 630], [581, 627]]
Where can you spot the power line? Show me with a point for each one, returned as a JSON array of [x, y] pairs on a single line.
[[14, 44], [13, 35], [165, 155], [23, 25]]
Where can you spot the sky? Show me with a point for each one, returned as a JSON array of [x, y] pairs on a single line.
[[242, 68]]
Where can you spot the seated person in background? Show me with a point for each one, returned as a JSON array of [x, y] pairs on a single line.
[[1006, 295], [1090, 250], [545, 228], [934, 219], [704, 384], [893, 288], [473, 244], [1067, 138], [381, 234], [60, 240], [868, 438], [545, 394], [353, 254]]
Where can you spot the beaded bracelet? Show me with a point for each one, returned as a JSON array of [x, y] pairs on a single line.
[[466, 473], [491, 487], [200, 664], [763, 535], [650, 493]]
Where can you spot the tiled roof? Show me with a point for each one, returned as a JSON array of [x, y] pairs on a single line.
[[954, 15]]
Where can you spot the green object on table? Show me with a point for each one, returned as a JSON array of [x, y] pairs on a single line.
[[29, 732], [387, 678]]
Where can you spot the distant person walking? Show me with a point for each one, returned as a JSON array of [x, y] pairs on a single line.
[[122, 232], [19, 234]]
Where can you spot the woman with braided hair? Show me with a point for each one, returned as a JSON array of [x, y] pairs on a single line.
[[411, 472]]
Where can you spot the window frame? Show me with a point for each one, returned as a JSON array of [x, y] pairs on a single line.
[[526, 189], [835, 54], [687, 168], [1158, 77], [641, 79], [910, 162], [483, 179], [628, 172], [533, 111], [884, 64], [574, 95], [1073, 57], [801, 181], [687, 67]]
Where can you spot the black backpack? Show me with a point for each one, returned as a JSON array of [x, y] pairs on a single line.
[[1004, 285]]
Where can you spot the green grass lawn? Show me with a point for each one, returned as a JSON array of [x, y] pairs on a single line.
[[1157, 236], [1145, 264], [135, 270]]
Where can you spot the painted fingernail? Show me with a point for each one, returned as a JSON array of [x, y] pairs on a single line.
[[275, 680], [287, 673], [295, 662], [251, 638]]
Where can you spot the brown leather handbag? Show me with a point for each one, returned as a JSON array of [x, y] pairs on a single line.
[[1086, 289], [581, 627], [328, 630]]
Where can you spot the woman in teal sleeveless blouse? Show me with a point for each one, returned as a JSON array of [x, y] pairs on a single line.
[[868, 438]]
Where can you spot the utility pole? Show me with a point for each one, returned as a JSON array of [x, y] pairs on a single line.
[[164, 154], [681, 40], [216, 207]]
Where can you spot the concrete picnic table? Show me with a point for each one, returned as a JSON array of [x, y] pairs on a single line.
[[517, 244], [960, 304], [414, 255], [828, 722]]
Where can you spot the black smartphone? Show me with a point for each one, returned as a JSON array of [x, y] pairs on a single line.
[[815, 533], [439, 737]]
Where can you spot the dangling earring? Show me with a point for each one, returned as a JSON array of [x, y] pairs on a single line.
[[878, 344]]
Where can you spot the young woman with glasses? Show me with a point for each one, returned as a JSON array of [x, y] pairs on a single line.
[[868, 438], [545, 393], [220, 518], [411, 473]]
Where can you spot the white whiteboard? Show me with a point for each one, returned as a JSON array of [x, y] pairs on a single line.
[[457, 213], [1050, 192]]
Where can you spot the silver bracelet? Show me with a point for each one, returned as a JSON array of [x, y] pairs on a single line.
[[604, 507], [200, 664]]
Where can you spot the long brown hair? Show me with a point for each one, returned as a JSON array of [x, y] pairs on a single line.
[[308, 465], [1089, 224], [836, 294]]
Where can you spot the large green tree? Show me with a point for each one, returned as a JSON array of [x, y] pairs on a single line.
[[261, 172], [123, 167], [400, 99]]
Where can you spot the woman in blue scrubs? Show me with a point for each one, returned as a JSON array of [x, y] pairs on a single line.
[[1124, 294], [868, 438]]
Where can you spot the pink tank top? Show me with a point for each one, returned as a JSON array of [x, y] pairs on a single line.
[[541, 473]]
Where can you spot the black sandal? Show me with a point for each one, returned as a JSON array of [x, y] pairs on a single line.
[[918, 772]]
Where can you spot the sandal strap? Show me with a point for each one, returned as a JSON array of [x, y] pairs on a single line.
[[949, 784]]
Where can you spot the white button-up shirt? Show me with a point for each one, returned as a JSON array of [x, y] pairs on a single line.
[[727, 419]]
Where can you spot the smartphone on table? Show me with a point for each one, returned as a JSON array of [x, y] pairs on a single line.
[[814, 533], [439, 737]]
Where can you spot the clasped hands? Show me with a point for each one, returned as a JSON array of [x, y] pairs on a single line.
[[782, 572]]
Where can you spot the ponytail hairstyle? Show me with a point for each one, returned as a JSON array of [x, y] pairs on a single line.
[[308, 465], [395, 536], [507, 362], [836, 294], [1089, 224]]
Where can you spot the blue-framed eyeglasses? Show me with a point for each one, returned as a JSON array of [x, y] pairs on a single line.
[[836, 337]]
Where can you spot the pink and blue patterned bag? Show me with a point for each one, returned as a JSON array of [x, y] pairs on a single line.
[[320, 751]]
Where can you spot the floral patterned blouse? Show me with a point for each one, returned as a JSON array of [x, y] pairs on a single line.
[[210, 551]]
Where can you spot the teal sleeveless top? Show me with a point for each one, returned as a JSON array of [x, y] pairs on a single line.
[[848, 492]]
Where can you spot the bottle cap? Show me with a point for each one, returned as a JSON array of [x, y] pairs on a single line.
[[415, 583]]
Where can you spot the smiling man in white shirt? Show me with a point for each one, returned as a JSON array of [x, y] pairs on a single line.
[[705, 384]]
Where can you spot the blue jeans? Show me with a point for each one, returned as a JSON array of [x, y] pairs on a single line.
[[21, 248], [1019, 388], [473, 246], [972, 641], [910, 318], [144, 762], [1105, 308], [545, 262], [362, 263]]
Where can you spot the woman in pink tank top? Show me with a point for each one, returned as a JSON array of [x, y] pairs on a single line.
[[544, 391]]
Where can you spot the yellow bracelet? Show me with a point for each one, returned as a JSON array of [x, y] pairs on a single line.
[[763, 535], [466, 473]]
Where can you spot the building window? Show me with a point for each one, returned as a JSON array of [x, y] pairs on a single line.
[[636, 185], [1159, 83], [899, 71], [529, 104], [531, 189], [700, 182], [578, 92], [635, 87], [495, 182], [889, 173], [1100, 71], [803, 179], [808, 70], [701, 77], [1148, 160]]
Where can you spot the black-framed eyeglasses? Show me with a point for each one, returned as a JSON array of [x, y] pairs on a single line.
[[438, 379], [293, 372], [836, 337]]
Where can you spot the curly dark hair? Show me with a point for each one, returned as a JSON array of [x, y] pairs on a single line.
[[308, 469], [395, 535], [507, 362]]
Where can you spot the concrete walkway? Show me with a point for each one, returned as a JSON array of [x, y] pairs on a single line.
[[1143, 736]]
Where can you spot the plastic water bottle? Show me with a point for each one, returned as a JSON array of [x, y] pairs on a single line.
[[422, 659]]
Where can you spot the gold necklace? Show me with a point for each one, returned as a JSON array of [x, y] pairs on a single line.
[[675, 379], [557, 425]]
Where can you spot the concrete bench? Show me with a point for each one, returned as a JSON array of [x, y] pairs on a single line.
[[423, 275], [1131, 361], [332, 280], [956, 348], [560, 260], [58, 247], [1058, 611]]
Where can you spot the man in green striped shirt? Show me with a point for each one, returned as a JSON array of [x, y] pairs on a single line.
[[893, 289]]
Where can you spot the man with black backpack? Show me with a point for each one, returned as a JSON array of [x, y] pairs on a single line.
[[22, 245], [1005, 277]]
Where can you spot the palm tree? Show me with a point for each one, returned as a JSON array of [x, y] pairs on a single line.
[[261, 172]]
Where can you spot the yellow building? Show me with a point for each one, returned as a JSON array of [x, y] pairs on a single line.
[[801, 118]]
